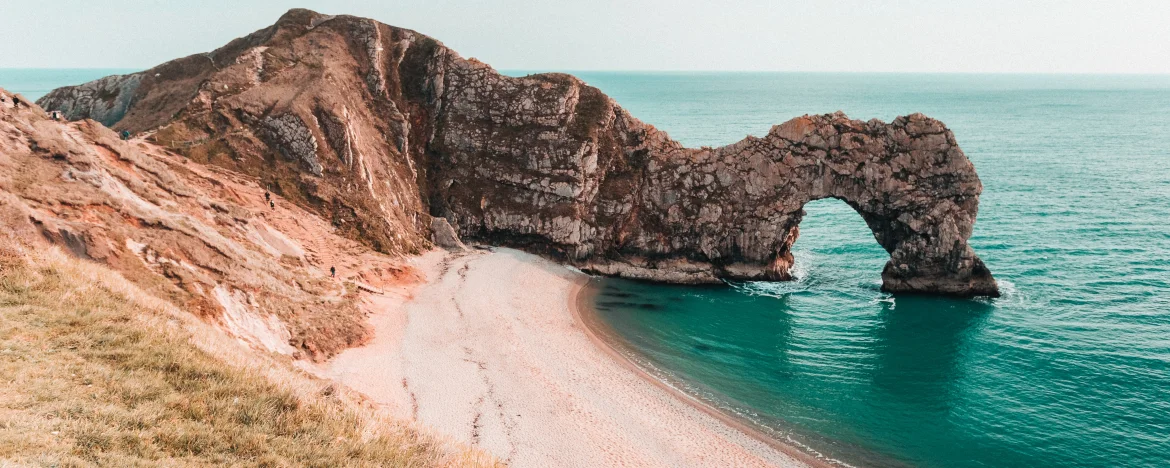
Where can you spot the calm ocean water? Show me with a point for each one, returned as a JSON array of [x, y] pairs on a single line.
[[33, 83], [1070, 368]]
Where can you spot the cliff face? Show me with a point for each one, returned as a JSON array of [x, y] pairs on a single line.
[[379, 129], [199, 236]]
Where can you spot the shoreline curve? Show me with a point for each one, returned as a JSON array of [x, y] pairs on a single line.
[[489, 348], [589, 321]]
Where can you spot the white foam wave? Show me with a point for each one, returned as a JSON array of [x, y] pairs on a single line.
[[802, 266]]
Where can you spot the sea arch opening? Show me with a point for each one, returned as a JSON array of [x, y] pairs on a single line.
[[835, 244]]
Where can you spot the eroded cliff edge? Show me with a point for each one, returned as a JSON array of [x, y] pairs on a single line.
[[379, 129]]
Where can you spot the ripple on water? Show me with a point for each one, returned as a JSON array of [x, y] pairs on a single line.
[[1069, 367]]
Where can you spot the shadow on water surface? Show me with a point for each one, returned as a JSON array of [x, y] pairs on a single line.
[[1070, 370], [918, 348], [799, 366]]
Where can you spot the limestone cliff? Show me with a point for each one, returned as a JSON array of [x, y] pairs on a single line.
[[199, 236], [379, 129]]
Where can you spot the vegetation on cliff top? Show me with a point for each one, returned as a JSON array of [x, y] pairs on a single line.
[[97, 372]]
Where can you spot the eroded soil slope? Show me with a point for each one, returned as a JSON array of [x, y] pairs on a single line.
[[202, 236]]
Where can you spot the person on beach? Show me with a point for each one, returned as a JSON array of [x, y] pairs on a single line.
[[332, 272]]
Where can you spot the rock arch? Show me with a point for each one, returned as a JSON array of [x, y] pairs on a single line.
[[547, 163], [913, 186], [909, 181], [621, 198], [567, 172]]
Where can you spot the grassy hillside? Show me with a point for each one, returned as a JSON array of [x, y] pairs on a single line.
[[94, 372]]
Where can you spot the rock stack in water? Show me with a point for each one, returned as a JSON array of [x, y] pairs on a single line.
[[381, 129]]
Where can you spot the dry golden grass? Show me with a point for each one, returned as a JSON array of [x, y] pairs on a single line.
[[94, 372]]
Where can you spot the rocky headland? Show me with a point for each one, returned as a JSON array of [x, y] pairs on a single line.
[[287, 192], [381, 130]]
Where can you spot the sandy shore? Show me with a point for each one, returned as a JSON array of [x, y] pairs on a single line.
[[489, 351]]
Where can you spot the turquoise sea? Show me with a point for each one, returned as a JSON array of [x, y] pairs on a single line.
[[1070, 368], [33, 83]]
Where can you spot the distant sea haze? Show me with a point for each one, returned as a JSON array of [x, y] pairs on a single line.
[[1070, 368]]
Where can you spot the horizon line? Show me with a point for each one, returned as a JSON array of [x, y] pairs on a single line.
[[652, 70]]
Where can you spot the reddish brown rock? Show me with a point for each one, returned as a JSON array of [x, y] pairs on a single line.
[[201, 237], [380, 128]]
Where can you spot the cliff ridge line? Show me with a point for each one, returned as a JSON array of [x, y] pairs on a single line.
[[381, 129]]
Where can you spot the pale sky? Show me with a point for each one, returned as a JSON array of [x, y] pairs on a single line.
[[988, 36]]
